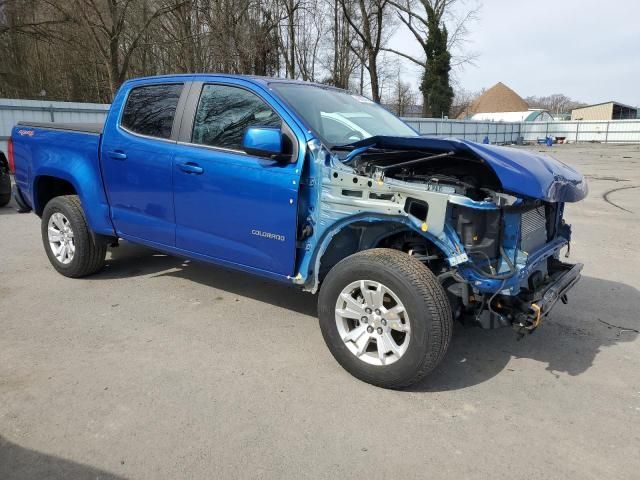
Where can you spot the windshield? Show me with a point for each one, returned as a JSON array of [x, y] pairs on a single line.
[[338, 117]]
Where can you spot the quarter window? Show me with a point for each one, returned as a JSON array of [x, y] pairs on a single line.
[[224, 113], [150, 110]]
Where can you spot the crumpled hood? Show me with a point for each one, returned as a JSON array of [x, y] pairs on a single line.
[[520, 172]]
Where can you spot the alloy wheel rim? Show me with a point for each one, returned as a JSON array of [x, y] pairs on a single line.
[[372, 322], [61, 238]]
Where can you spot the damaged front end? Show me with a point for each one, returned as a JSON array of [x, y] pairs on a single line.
[[488, 221]]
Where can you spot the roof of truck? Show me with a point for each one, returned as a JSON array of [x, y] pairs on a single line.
[[257, 79]]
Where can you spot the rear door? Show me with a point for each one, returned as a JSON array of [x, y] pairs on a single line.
[[137, 161], [230, 205]]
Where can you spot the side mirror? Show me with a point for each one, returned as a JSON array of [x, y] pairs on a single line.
[[262, 141]]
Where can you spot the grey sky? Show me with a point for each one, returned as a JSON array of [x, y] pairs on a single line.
[[586, 49]]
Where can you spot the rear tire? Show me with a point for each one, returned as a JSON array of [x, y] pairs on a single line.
[[5, 189], [67, 239], [407, 286]]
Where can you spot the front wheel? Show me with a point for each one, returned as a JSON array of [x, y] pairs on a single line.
[[385, 317], [71, 249]]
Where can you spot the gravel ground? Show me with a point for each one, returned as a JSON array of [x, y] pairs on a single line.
[[162, 368]]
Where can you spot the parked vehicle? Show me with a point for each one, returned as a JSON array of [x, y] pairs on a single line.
[[310, 185], [5, 181]]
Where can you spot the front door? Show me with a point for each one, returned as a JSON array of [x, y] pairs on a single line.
[[229, 205], [137, 163]]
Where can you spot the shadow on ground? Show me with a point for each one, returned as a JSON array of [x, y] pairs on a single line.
[[19, 463], [568, 341], [9, 208], [130, 260], [600, 314]]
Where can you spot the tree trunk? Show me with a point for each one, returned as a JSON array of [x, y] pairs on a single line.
[[114, 65], [373, 73]]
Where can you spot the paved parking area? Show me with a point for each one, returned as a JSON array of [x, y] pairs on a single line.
[[160, 368]]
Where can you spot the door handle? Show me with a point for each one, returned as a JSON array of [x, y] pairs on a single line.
[[117, 155], [193, 168]]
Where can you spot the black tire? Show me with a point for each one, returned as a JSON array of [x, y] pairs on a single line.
[[88, 257], [425, 302], [5, 189], [21, 205]]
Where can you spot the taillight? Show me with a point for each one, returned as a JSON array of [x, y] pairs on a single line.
[[12, 160]]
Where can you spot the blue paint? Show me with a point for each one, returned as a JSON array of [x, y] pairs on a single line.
[[70, 156], [262, 141]]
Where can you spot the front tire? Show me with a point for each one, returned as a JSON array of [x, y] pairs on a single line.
[[385, 317], [67, 240]]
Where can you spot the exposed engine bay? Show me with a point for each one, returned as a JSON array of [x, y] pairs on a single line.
[[495, 251], [443, 172]]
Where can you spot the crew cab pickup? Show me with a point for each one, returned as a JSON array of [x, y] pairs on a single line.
[[400, 234]]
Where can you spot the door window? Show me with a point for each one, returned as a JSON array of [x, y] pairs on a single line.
[[225, 112], [150, 110]]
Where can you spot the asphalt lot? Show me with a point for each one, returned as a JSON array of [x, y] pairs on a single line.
[[158, 368]]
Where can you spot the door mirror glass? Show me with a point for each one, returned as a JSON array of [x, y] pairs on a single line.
[[262, 141]]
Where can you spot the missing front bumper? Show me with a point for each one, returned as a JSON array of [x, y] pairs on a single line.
[[533, 312], [525, 312]]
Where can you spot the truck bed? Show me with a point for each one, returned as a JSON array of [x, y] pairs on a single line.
[[66, 151], [95, 128]]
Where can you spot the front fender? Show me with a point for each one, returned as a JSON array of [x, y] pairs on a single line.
[[308, 275]]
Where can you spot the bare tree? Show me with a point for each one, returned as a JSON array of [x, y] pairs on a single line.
[[115, 27], [309, 37], [556, 103], [368, 22], [403, 97], [83, 50], [339, 59], [462, 100], [290, 10]]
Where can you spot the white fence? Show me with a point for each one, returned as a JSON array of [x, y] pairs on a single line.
[[13, 111], [498, 132], [612, 131]]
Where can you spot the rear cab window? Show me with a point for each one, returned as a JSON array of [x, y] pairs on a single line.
[[150, 110]]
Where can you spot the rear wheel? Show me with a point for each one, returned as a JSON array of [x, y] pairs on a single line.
[[67, 240], [385, 317], [5, 189]]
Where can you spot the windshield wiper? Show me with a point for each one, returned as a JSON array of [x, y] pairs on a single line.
[[413, 162], [347, 147]]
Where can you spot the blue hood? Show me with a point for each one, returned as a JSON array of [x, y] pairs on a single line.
[[520, 172]]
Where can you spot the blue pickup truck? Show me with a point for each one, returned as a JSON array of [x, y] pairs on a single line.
[[400, 234]]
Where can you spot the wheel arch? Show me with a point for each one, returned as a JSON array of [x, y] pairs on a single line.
[[50, 184], [356, 234], [47, 187]]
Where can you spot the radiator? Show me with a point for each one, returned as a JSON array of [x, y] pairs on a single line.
[[533, 229]]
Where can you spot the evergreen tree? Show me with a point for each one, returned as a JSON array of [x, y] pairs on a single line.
[[435, 86]]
